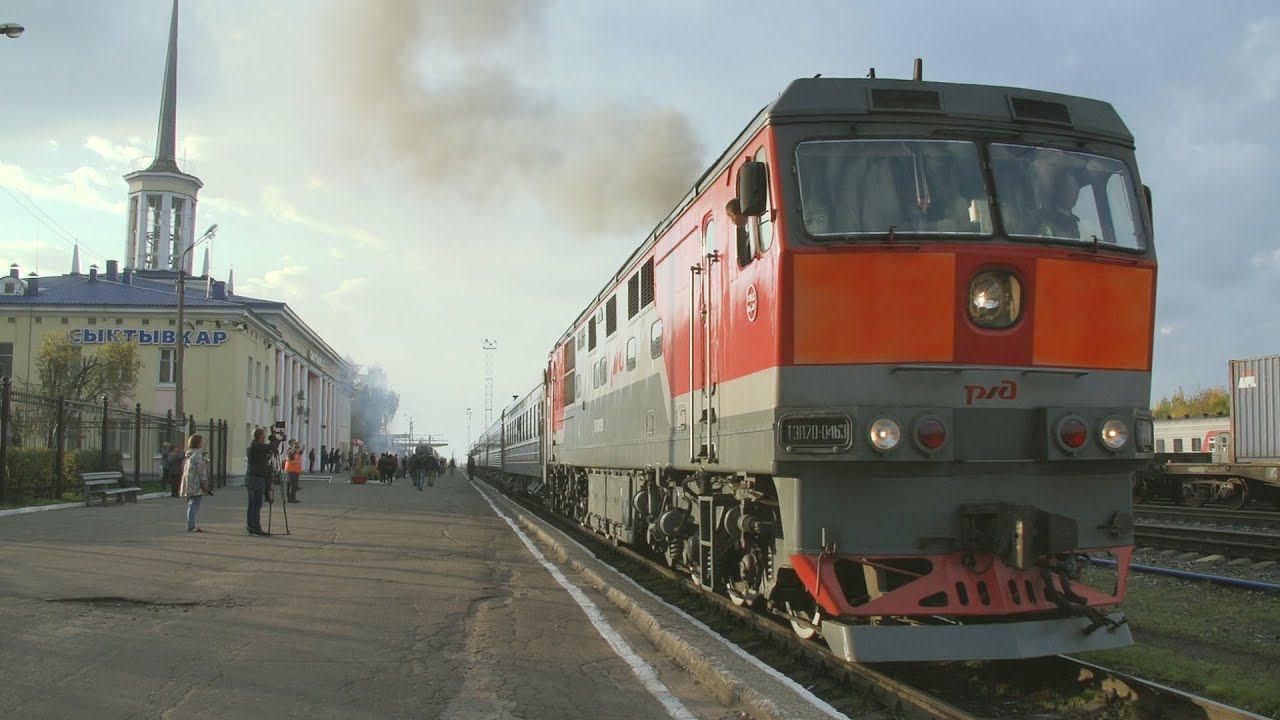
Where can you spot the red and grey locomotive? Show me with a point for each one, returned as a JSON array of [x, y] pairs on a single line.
[[883, 371]]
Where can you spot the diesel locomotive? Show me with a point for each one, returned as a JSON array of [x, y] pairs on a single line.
[[883, 371]]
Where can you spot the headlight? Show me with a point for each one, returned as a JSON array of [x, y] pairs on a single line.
[[885, 434], [1114, 434], [995, 299]]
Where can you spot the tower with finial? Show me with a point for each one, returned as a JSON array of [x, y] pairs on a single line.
[[162, 198]]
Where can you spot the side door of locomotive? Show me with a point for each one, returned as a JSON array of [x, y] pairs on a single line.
[[706, 292]]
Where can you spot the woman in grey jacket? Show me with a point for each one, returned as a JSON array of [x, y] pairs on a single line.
[[195, 479]]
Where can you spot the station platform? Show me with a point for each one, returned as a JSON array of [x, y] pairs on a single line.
[[383, 602]]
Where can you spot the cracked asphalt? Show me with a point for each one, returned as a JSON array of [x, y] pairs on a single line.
[[383, 603]]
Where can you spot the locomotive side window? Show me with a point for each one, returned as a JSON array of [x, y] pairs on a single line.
[[1060, 195], [909, 187], [631, 354], [655, 339]]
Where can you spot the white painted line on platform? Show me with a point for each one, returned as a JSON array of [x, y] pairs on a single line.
[[68, 506], [799, 689], [643, 670]]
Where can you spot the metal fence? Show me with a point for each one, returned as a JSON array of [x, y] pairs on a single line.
[[46, 442]]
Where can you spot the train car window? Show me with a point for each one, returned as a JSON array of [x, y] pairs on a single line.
[[1052, 194], [857, 188], [646, 283], [632, 345], [1177, 444], [655, 339], [633, 296], [763, 225], [1160, 445], [591, 334], [1195, 445], [611, 316]]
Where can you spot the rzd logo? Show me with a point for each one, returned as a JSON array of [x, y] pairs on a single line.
[[1006, 390]]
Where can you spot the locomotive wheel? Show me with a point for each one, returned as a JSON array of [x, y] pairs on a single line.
[[1239, 494]]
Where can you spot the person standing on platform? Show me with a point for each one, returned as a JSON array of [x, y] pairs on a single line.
[[195, 479], [293, 468], [311, 460], [260, 456]]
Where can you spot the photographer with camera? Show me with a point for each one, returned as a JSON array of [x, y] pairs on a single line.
[[260, 455]]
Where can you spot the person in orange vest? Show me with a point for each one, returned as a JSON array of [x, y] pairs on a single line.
[[293, 468]]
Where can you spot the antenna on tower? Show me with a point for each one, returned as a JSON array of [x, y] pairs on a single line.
[[488, 346]]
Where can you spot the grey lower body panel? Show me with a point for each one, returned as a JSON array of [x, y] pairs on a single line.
[[991, 641]]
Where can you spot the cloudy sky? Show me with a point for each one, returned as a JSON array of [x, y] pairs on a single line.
[[415, 176]]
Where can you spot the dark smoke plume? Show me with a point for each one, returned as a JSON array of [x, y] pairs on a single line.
[[479, 128]]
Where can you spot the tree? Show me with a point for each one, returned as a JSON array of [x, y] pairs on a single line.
[[1209, 401], [65, 370]]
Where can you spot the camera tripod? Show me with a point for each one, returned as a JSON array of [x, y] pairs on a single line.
[[275, 480]]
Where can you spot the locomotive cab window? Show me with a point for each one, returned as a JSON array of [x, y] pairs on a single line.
[[910, 187], [1052, 194], [762, 227], [631, 353], [655, 339]]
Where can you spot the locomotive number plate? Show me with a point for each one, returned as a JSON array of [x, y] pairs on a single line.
[[829, 433]]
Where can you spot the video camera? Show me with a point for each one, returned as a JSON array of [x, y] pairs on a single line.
[[278, 433]]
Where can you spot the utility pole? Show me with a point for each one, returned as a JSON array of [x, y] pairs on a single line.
[[489, 347], [180, 344], [468, 429]]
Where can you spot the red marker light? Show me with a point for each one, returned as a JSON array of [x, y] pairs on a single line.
[[1072, 433], [931, 433]]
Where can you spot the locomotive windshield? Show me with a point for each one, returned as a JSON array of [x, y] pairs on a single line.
[[867, 187], [1061, 195]]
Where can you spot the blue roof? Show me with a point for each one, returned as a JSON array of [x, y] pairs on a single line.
[[144, 290]]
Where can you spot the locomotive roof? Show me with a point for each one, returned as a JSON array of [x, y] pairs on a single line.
[[819, 99]]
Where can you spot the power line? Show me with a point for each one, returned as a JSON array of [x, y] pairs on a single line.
[[47, 220]]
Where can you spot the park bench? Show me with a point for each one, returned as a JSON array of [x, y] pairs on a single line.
[[107, 485]]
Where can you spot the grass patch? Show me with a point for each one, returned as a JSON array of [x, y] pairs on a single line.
[[148, 486], [1219, 642]]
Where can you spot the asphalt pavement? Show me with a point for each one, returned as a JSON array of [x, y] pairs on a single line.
[[382, 602]]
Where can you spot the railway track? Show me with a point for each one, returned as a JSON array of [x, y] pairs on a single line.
[[1220, 516], [1044, 688], [1219, 541]]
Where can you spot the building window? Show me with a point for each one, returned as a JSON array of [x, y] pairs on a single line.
[[166, 365], [631, 353], [1160, 445], [6, 359], [93, 321], [146, 321], [119, 321], [39, 320], [66, 320]]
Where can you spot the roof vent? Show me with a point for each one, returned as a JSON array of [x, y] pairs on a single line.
[[33, 285], [905, 100], [1042, 111], [127, 277], [93, 273], [113, 270]]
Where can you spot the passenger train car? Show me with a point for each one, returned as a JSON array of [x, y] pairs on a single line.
[[883, 371]]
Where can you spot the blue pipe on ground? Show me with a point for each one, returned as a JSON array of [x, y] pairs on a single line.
[[1188, 575]]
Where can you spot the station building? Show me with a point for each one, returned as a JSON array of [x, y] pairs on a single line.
[[249, 361]]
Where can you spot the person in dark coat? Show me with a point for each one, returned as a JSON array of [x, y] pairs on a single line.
[[260, 470], [311, 460]]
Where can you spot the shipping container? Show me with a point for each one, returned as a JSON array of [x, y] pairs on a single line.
[[1255, 409]]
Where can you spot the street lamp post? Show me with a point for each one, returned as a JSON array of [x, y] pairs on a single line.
[[181, 344]]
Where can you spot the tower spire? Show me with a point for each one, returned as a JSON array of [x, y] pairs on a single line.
[[167, 135], [75, 260]]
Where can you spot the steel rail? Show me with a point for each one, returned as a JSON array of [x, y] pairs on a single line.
[[1261, 546], [1250, 518], [1158, 700]]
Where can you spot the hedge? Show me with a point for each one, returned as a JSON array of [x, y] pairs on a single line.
[[29, 471]]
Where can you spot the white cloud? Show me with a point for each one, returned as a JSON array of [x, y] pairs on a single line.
[[315, 182], [1167, 330], [1266, 259], [287, 280], [347, 286], [53, 145], [278, 207], [119, 154], [223, 204], [336, 253], [80, 187]]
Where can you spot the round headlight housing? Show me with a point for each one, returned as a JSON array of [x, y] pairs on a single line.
[[1114, 434], [885, 434], [1072, 433], [930, 434], [995, 299]]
